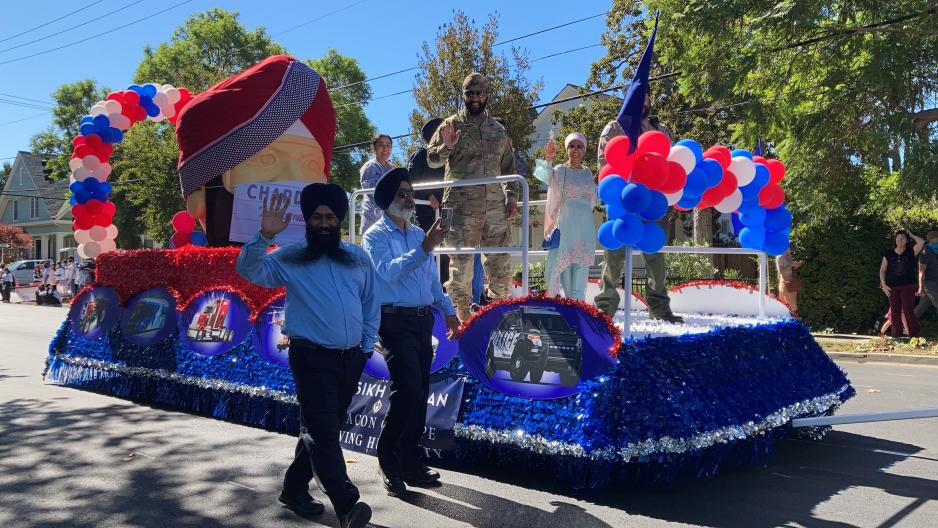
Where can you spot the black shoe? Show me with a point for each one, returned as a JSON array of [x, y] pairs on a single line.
[[421, 476], [357, 518], [670, 318], [302, 506], [395, 487]]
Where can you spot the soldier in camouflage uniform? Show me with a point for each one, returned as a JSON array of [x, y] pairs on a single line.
[[656, 292], [470, 144]]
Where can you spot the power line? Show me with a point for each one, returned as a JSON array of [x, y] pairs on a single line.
[[66, 30], [112, 30], [66, 15], [550, 29], [25, 119], [24, 104], [552, 55], [317, 19], [27, 99], [851, 31]]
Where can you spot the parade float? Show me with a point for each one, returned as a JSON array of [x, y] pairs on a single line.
[[547, 386]]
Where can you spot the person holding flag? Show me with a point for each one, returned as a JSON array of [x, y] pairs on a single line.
[[634, 119]]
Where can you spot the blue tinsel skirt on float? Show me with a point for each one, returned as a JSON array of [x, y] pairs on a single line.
[[671, 408]]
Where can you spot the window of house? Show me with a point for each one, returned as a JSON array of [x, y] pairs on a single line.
[[16, 210], [34, 207]]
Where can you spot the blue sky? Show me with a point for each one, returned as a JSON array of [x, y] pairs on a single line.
[[384, 36]]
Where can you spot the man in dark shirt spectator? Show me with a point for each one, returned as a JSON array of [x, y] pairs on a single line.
[[928, 275]]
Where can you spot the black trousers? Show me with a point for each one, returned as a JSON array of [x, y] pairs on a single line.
[[407, 340], [7, 286], [326, 380]]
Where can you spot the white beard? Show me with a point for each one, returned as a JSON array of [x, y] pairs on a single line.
[[401, 212]]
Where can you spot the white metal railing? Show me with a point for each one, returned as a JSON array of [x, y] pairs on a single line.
[[525, 212], [526, 252]]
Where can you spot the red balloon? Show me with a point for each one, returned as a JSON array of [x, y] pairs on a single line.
[[776, 170], [104, 152], [114, 96], [79, 210], [83, 222], [606, 170], [82, 150], [711, 197], [721, 154], [758, 159], [181, 239], [728, 184], [109, 207], [651, 169], [78, 141], [183, 223], [131, 97], [771, 196], [654, 141], [617, 150], [676, 178], [624, 169], [93, 140]]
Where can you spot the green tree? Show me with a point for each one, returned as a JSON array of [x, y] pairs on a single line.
[[72, 101], [349, 95], [461, 48], [5, 173]]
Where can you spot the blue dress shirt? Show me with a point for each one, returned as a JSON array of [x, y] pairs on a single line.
[[406, 274], [331, 304]]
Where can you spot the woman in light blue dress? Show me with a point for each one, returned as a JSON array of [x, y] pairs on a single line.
[[571, 193]]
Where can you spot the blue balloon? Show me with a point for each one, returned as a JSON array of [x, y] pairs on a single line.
[[198, 238], [149, 90], [81, 196], [605, 236], [610, 189], [72, 201], [615, 210], [688, 202], [136, 88], [627, 230], [635, 198], [116, 135], [152, 109], [777, 219], [762, 176], [776, 242], [741, 152], [737, 225], [657, 207], [87, 128], [753, 216], [86, 119], [752, 237], [696, 182], [653, 239], [90, 184], [105, 134], [750, 194], [105, 187], [99, 195], [694, 147], [75, 186], [713, 170], [101, 121]]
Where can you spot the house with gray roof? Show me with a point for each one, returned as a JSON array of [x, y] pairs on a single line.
[[38, 205]]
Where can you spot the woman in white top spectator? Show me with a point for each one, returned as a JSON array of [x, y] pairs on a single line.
[[370, 173]]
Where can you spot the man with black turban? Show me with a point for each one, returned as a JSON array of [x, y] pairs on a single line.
[[331, 315]]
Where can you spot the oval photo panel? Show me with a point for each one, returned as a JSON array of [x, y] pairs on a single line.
[[94, 312], [444, 350], [148, 317], [269, 340], [214, 323], [537, 349]]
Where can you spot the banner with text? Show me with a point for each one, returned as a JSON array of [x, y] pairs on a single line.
[[246, 211], [370, 405]]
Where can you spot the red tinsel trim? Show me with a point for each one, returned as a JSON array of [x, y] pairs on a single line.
[[560, 301], [186, 273], [731, 283]]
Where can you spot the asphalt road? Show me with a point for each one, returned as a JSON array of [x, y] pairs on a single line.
[[76, 459]]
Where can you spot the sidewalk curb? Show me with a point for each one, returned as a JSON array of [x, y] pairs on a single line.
[[864, 357]]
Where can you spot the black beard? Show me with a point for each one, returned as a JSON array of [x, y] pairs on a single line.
[[323, 242], [475, 113]]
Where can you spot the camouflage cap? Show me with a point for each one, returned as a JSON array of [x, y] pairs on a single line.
[[476, 78]]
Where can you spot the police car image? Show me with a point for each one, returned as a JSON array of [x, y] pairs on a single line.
[[530, 341]]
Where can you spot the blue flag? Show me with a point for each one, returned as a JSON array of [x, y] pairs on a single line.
[[630, 115], [758, 150]]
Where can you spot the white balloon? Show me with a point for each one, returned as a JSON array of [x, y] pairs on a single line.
[[82, 236], [97, 233], [675, 198], [112, 107], [168, 110], [119, 121], [158, 118], [111, 231], [173, 94], [91, 162], [102, 171], [160, 99], [98, 109], [744, 169], [107, 245], [684, 156], [81, 173], [81, 251], [92, 249], [74, 163], [730, 203]]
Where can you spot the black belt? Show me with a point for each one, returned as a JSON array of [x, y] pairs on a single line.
[[406, 310], [306, 343]]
